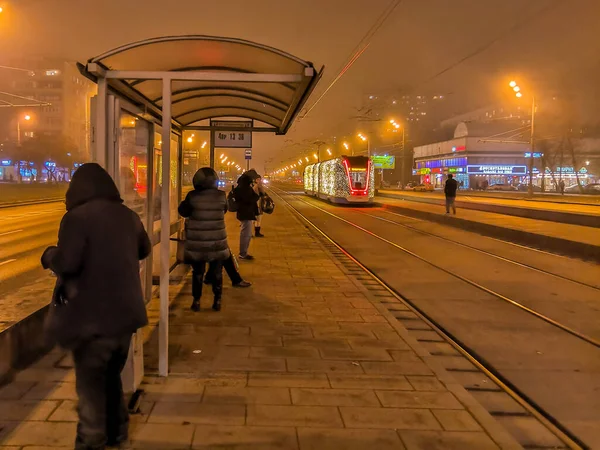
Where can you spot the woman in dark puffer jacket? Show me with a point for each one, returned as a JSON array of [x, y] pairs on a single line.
[[206, 236]]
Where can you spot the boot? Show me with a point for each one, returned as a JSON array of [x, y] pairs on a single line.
[[217, 304], [257, 232], [196, 305]]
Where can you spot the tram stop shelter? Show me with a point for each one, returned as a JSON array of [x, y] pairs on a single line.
[[149, 93]]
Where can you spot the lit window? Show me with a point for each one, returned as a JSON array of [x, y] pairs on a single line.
[[52, 73]]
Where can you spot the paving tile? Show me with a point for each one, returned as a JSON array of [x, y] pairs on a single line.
[[402, 368], [394, 382], [52, 391], [295, 416], [457, 420], [425, 383], [359, 354], [284, 352], [21, 410], [446, 440], [66, 412], [320, 365], [250, 364], [287, 379], [247, 395], [404, 356], [389, 418], [388, 344], [418, 399], [334, 397], [199, 413], [245, 438], [346, 439], [161, 436], [47, 434], [15, 390], [315, 342]]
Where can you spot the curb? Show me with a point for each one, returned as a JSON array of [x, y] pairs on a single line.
[[31, 203], [571, 218]]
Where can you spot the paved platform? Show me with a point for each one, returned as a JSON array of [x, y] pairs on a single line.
[[307, 358], [573, 240]]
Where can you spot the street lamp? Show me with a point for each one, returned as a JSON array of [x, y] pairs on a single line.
[[517, 89], [368, 141], [397, 126], [27, 118], [329, 152]]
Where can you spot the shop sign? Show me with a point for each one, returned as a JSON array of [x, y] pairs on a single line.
[[535, 155], [50, 164], [437, 170], [460, 148], [423, 171], [496, 170], [5, 162], [456, 169], [566, 169], [384, 162]]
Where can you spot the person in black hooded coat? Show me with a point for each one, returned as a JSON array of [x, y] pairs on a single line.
[[96, 260], [205, 234]]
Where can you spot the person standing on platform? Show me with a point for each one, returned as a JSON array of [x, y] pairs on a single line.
[[205, 234], [230, 266], [246, 199], [561, 185], [98, 301], [262, 193], [450, 189]]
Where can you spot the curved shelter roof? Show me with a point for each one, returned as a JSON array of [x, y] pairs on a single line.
[[212, 77]]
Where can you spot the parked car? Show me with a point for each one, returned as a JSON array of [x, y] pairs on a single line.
[[423, 187], [589, 189], [523, 187], [501, 187], [593, 189]]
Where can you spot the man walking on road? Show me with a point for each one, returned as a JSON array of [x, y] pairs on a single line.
[[450, 190]]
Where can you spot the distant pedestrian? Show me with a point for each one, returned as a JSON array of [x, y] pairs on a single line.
[[246, 199], [561, 185], [98, 302], [259, 188], [205, 234], [450, 189]]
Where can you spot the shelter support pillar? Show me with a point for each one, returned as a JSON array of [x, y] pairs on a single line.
[[212, 149], [165, 231]]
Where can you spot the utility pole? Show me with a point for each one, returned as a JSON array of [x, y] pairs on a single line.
[[402, 169], [532, 145]]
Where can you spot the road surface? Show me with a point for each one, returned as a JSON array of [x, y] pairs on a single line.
[[25, 231]]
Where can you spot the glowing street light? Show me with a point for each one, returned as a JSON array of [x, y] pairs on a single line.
[[203, 144], [329, 152], [346, 146], [27, 118], [517, 89], [306, 158], [190, 139], [316, 156]]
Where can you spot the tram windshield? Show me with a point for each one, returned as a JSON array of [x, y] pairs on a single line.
[[357, 171]]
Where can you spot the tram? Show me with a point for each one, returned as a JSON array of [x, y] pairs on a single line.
[[345, 180]]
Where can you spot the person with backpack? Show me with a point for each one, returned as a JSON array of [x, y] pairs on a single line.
[[247, 210], [204, 209]]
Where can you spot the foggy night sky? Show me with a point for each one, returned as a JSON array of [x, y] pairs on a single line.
[[560, 48]]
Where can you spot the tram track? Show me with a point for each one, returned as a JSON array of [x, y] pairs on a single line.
[[485, 252], [470, 282], [478, 362]]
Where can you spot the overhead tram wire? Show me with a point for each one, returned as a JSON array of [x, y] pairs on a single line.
[[525, 20], [360, 48]]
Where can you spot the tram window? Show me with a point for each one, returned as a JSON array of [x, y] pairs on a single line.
[[359, 179]]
